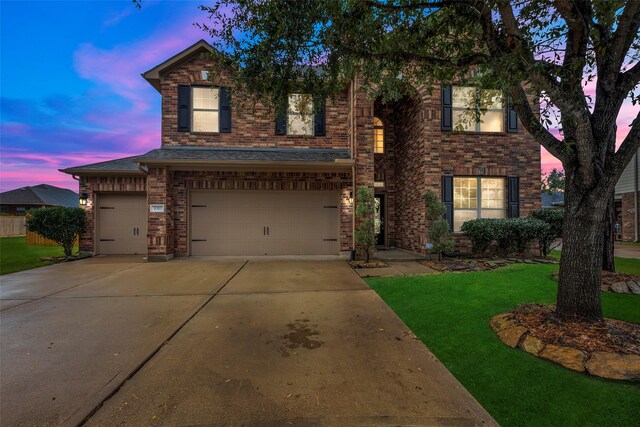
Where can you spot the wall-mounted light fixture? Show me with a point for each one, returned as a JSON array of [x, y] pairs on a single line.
[[204, 75], [351, 197], [84, 198]]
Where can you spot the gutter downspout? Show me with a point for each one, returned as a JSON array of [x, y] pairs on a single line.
[[635, 197]]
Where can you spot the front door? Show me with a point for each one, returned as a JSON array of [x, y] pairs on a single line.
[[379, 219]]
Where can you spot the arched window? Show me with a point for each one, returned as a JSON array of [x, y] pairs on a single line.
[[378, 136]]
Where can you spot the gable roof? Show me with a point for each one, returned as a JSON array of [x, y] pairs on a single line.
[[153, 75], [43, 194]]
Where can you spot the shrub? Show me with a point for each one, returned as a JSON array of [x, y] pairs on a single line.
[[510, 234], [365, 231], [439, 234], [553, 217], [480, 232], [59, 224]]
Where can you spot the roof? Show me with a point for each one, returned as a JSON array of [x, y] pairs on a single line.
[[125, 165], [303, 155], [43, 194], [153, 75], [551, 200], [216, 156]]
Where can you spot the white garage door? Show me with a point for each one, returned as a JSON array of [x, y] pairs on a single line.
[[264, 223], [122, 224]]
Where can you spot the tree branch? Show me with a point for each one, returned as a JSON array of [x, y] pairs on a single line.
[[416, 6], [628, 148]]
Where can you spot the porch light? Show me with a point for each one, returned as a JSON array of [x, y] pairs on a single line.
[[351, 197], [84, 197]]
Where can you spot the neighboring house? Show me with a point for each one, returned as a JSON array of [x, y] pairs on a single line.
[[17, 202], [233, 181], [553, 200], [626, 197]]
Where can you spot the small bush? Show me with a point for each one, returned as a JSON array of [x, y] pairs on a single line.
[[553, 217], [480, 232], [510, 234], [365, 231], [59, 224], [439, 234]]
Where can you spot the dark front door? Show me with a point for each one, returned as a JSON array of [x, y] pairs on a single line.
[[379, 219]]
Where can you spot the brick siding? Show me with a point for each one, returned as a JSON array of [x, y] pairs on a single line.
[[628, 217]]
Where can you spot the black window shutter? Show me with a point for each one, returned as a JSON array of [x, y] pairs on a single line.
[[513, 202], [225, 110], [447, 199], [281, 120], [512, 117], [319, 117], [447, 102], [184, 108]]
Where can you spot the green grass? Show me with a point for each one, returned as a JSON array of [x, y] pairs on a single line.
[[450, 314], [623, 265], [15, 255]]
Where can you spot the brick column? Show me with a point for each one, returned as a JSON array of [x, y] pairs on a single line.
[[160, 227]]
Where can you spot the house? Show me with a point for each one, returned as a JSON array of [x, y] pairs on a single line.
[[554, 200], [626, 199], [17, 202], [231, 181]]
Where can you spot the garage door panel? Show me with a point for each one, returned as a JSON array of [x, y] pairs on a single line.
[[121, 224], [235, 223]]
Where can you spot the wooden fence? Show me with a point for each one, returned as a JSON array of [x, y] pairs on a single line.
[[12, 226], [34, 239]]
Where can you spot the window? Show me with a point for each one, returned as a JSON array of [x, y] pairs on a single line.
[[205, 102], [378, 136], [300, 114], [477, 110], [477, 198]]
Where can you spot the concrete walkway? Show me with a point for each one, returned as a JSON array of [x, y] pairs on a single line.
[[113, 340]]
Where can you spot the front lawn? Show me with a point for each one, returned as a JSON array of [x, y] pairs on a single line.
[[15, 255], [450, 314]]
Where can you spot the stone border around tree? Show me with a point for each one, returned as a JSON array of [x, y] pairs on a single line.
[[615, 366]]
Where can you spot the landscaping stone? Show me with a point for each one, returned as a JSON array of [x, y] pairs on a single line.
[[620, 288], [614, 366], [565, 356], [511, 336], [532, 345], [501, 321], [634, 287]]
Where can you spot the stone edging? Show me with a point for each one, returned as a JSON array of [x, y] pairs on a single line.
[[615, 366]]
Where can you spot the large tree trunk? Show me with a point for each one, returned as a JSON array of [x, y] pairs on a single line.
[[608, 260], [581, 262]]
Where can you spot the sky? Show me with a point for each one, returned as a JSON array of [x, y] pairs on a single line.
[[70, 86]]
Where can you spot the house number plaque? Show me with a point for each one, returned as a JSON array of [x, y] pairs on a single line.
[[156, 208]]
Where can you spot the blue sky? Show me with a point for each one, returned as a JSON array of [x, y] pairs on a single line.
[[70, 85]]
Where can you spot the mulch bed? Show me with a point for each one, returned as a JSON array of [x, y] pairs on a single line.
[[374, 263], [480, 264], [59, 259], [609, 335], [620, 283]]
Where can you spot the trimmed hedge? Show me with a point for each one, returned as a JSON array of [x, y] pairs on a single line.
[[512, 235]]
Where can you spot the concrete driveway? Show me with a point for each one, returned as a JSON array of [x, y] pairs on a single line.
[[105, 341]]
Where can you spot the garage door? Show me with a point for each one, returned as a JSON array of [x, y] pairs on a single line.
[[122, 224], [264, 223]]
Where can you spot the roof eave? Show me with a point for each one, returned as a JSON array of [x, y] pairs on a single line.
[[338, 164], [93, 172]]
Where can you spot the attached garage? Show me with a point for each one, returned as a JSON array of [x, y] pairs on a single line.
[[121, 226], [264, 223]]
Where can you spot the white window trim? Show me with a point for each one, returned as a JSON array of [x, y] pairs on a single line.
[[290, 113], [478, 112], [194, 109]]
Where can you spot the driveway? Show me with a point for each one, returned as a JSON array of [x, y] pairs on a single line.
[[112, 340]]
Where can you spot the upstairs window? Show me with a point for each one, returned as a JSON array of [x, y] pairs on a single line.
[[300, 114], [378, 136], [205, 109], [477, 110]]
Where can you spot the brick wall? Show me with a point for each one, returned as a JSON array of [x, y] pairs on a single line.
[[103, 184], [252, 125], [160, 227], [183, 181], [628, 217]]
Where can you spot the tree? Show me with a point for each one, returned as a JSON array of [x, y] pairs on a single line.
[[553, 182], [545, 48], [439, 233], [365, 230], [60, 224]]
